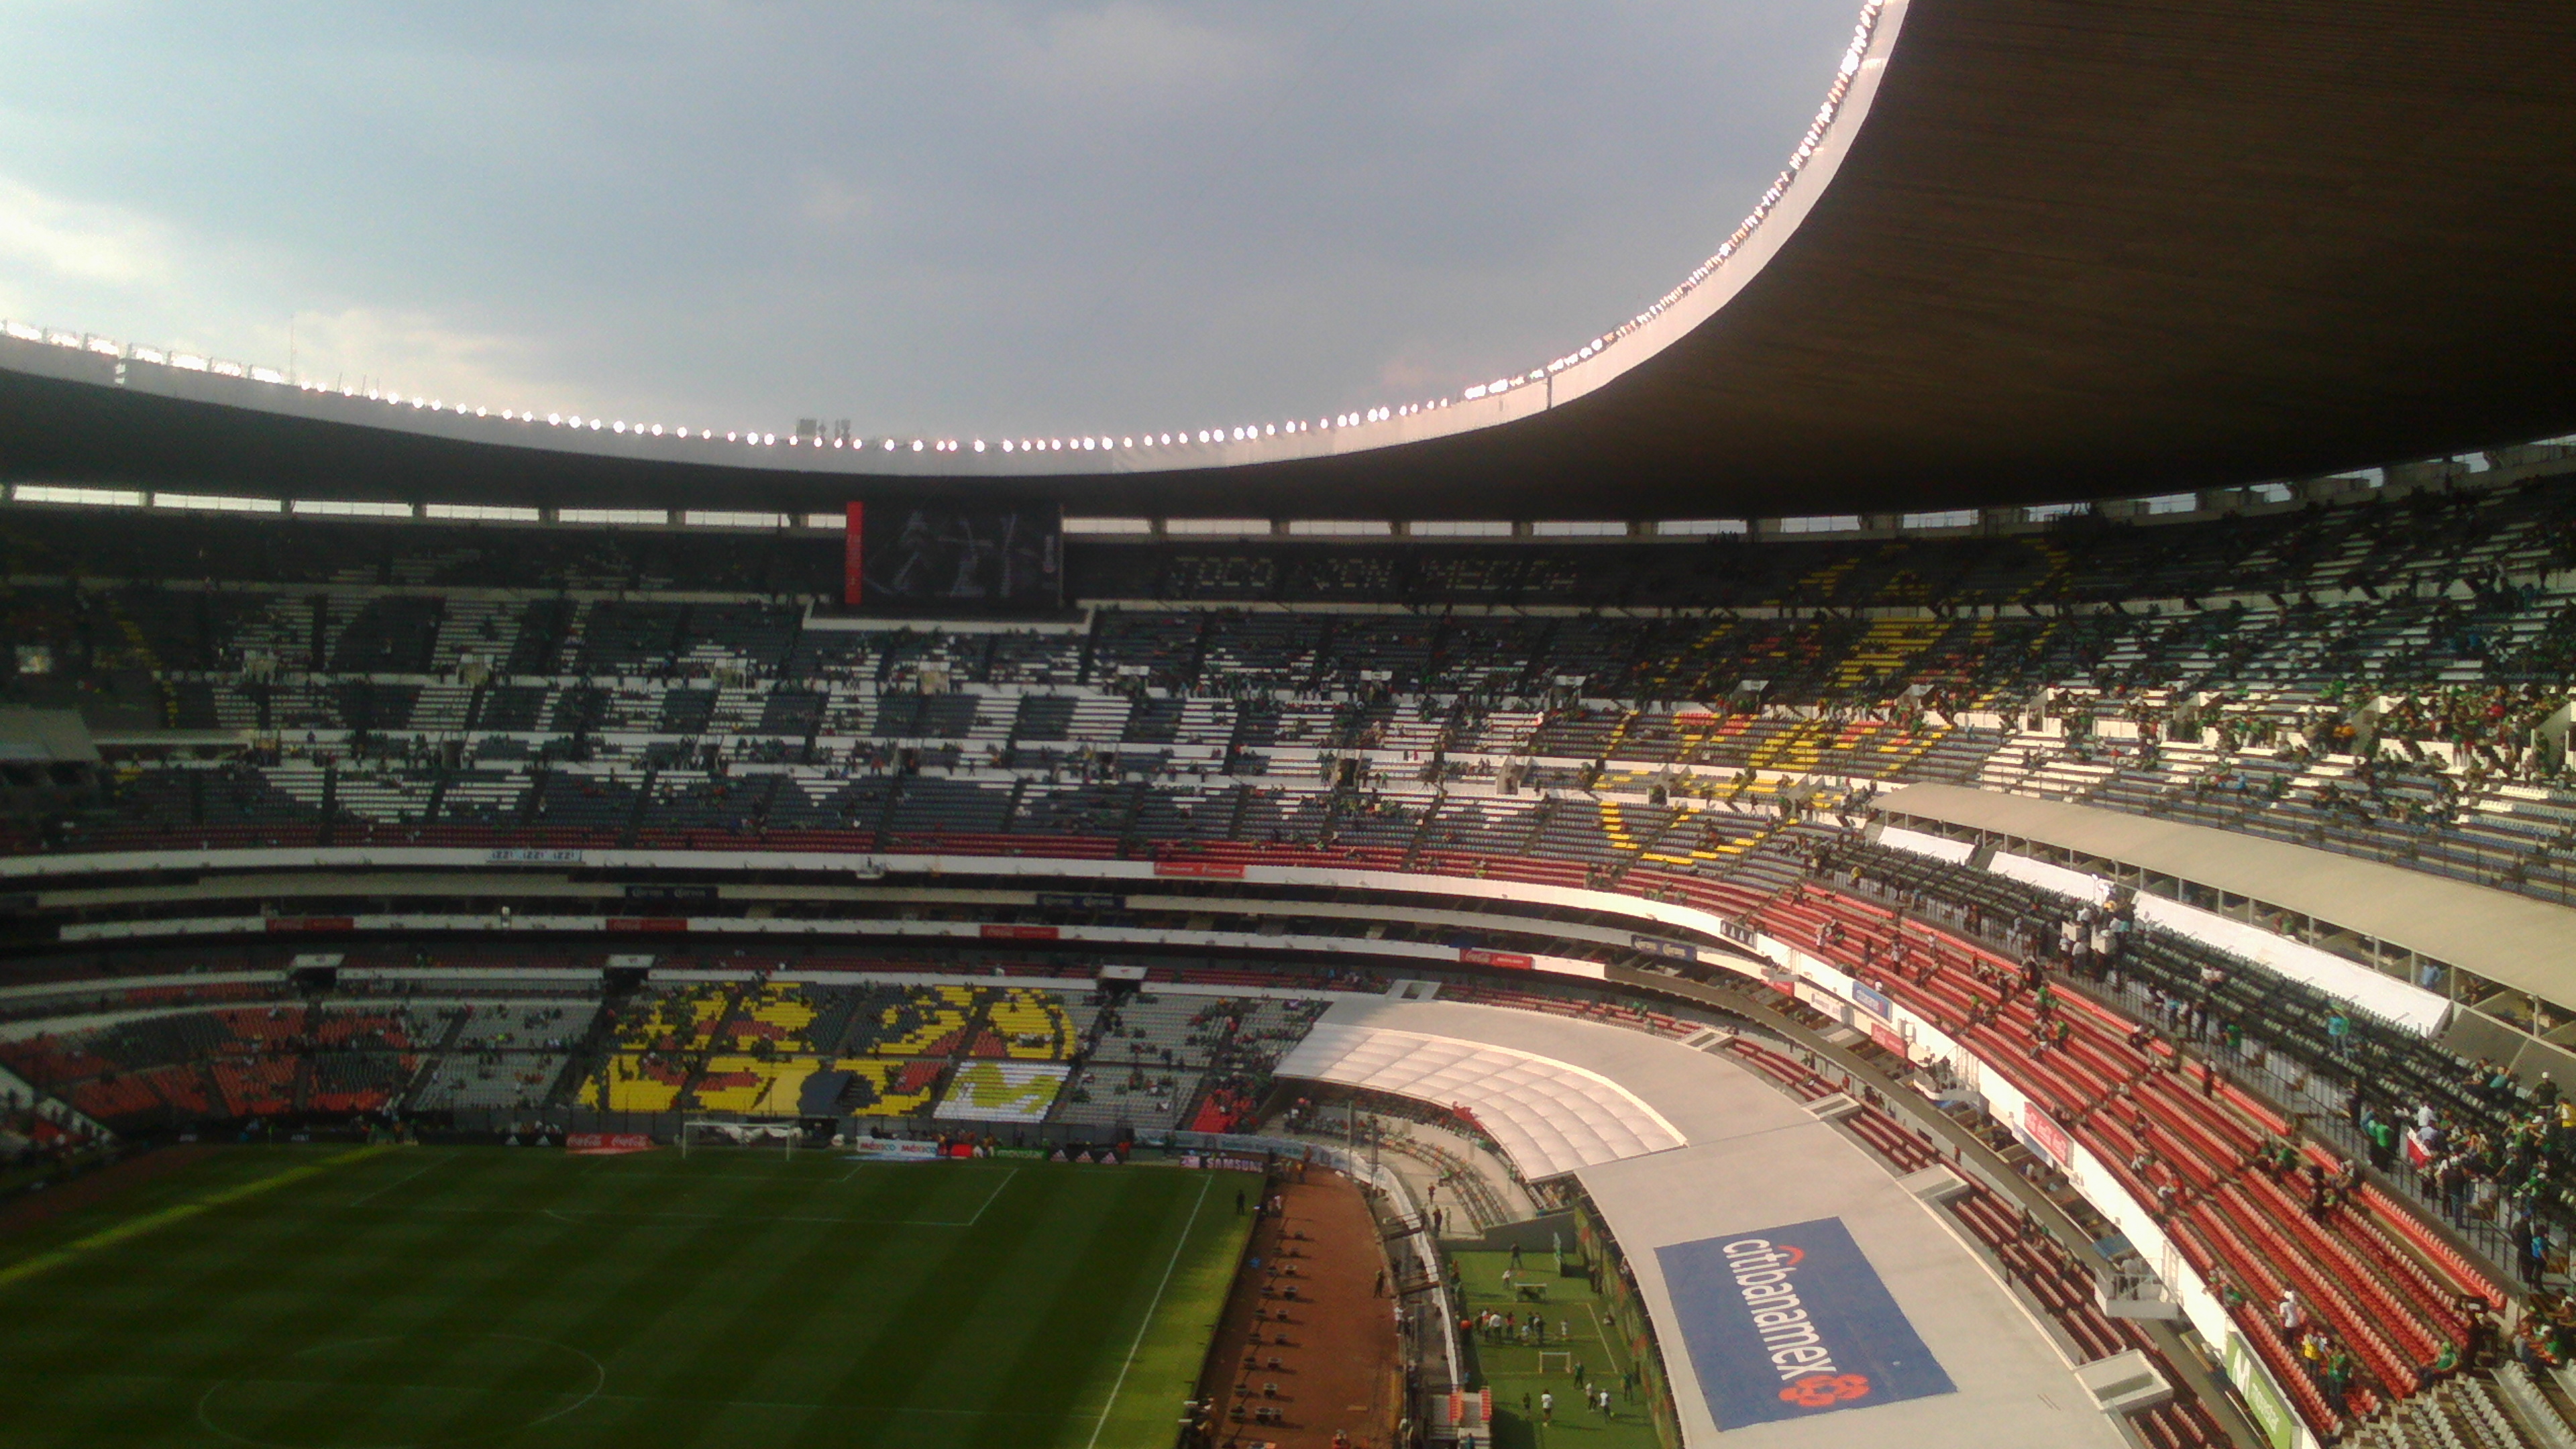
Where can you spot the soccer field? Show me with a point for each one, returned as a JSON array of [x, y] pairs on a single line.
[[322, 1298]]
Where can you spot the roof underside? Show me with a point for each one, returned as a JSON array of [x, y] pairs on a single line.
[[2509, 939], [2074, 251]]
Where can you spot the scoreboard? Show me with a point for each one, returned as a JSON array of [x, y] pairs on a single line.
[[927, 556]]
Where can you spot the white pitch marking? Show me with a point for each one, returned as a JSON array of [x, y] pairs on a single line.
[[1007, 1175], [1150, 1309], [1603, 1334], [406, 1177]]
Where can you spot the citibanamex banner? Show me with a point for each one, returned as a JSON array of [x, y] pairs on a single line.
[[606, 1144], [1793, 1321]]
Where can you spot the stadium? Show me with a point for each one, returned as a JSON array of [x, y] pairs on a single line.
[[1961, 832]]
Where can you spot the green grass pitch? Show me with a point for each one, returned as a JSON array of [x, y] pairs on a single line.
[[319, 1298]]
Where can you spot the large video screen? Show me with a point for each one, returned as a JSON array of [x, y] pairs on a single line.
[[925, 556]]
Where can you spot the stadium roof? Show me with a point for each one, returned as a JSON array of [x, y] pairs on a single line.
[[2041, 252], [2512, 940]]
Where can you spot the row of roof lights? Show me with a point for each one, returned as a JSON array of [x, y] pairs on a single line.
[[1250, 432], [1809, 145], [717, 518], [1245, 527]]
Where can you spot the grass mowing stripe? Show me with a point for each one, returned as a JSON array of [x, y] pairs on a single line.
[[655, 1300], [157, 1286], [360, 1271], [1047, 1316], [958, 1305], [994, 1329], [980, 1411], [1157, 1302], [153, 1222]]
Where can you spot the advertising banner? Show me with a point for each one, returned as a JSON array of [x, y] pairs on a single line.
[[606, 1144], [1224, 1164], [1002, 1092], [2262, 1396], [1792, 1321], [1002, 932], [1200, 869], [891, 1149], [2046, 1135]]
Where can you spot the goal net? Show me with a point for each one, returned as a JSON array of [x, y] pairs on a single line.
[[706, 1132]]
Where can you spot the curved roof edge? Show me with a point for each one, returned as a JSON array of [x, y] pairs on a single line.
[[2039, 253], [936, 456]]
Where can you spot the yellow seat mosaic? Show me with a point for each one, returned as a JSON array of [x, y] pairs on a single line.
[[1614, 825], [780, 1014], [898, 1089], [1032, 1024], [1885, 650], [1719, 836], [628, 1083], [685, 1016], [924, 1022], [770, 1086]]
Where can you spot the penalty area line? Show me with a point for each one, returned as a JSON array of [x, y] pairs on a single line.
[[988, 1199], [1151, 1309], [399, 1181]]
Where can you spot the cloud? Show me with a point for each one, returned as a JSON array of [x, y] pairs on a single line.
[[938, 214], [416, 352], [1131, 53], [119, 266], [832, 204], [80, 241]]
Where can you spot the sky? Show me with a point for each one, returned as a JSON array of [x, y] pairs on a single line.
[[957, 217]]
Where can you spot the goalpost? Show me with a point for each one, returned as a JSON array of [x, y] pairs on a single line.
[[720, 1132]]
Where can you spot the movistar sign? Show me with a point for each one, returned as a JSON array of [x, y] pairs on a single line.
[[1792, 1321]]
